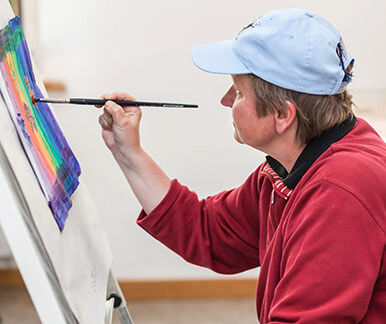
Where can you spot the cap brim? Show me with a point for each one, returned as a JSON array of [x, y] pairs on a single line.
[[218, 58]]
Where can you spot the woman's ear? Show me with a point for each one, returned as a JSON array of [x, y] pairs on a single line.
[[285, 118]]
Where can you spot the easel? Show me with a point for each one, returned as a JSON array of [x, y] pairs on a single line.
[[66, 278], [32, 258]]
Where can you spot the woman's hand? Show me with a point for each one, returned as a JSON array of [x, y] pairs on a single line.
[[120, 127]]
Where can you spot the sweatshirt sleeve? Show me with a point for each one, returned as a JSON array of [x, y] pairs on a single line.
[[219, 232], [332, 250]]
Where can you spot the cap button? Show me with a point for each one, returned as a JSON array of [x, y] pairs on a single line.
[[309, 14]]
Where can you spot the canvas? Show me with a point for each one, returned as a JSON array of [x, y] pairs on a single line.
[[53, 162]]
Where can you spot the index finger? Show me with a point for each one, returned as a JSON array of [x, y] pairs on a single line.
[[101, 97]]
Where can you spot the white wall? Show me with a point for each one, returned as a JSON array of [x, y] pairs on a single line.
[[143, 47]]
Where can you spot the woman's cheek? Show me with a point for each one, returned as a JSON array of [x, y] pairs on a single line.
[[235, 113]]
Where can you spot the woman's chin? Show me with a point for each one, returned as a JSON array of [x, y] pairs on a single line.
[[237, 138]]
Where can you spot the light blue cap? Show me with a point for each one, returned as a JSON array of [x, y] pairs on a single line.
[[291, 48]]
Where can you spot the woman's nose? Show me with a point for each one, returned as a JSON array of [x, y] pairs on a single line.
[[229, 97]]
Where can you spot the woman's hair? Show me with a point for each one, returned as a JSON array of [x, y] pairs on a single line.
[[315, 113]]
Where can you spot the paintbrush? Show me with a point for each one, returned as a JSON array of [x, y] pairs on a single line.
[[101, 102]]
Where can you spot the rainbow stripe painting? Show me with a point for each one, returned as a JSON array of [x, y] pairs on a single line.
[[49, 154]]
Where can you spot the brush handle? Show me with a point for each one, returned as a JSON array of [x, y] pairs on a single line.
[[101, 102]]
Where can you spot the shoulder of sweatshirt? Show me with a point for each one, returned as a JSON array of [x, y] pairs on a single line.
[[356, 164]]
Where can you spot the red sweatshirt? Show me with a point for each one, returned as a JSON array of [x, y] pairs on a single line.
[[318, 233]]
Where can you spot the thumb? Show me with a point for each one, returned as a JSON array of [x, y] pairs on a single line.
[[116, 112]]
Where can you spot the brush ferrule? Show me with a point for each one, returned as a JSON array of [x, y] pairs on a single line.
[[54, 100]]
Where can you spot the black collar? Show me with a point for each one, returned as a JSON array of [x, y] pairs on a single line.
[[315, 148]]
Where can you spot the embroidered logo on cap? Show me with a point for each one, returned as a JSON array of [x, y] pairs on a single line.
[[342, 54], [252, 24], [340, 50]]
